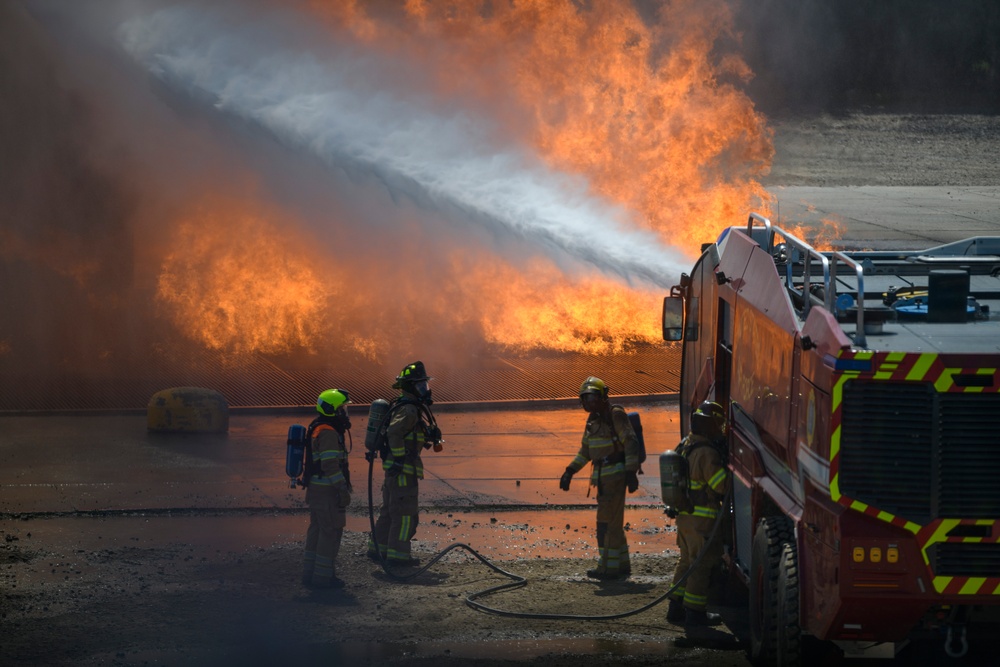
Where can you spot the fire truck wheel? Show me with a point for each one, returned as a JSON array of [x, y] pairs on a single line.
[[775, 633]]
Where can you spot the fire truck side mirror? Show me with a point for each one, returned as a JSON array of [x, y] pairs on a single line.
[[673, 317]]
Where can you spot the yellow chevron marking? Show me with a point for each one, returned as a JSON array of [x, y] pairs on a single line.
[[941, 583], [972, 586], [945, 381], [942, 531], [920, 368]]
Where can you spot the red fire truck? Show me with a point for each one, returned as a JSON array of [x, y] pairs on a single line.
[[863, 394]]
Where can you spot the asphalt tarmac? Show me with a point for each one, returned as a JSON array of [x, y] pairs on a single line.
[[500, 462], [504, 462]]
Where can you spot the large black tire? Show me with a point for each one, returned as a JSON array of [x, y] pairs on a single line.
[[775, 629]]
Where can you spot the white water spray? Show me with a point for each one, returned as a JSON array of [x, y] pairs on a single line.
[[328, 101]]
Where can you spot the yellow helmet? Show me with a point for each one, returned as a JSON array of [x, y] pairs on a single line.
[[331, 400], [594, 385]]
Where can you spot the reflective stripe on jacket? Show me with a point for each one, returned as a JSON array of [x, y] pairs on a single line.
[[328, 453], [405, 437], [709, 479], [598, 445]]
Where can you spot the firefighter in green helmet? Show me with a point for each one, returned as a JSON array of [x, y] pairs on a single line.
[[328, 489], [411, 428], [611, 445]]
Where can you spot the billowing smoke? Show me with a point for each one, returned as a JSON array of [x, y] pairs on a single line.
[[390, 182]]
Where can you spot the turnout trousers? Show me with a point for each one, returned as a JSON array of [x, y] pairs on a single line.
[[692, 536], [612, 545], [326, 529], [398, 517]]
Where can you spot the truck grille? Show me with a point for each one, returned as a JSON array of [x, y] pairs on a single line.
[[956, 559], [901, 440]]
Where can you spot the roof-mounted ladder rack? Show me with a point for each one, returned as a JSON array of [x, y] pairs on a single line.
[[807, 255]]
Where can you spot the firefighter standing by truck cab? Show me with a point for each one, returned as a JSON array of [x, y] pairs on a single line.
[[328, 490], [410, 430], [610, 443], [704, 449]]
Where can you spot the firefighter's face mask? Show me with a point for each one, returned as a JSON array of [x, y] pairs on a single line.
[[591, 402], [422, 390]]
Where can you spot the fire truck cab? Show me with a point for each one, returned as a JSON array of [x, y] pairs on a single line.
[[863, 397]]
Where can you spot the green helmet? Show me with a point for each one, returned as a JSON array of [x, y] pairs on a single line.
[[331, 400], [594, 385]]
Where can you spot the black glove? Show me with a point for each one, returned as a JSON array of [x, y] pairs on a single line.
[[434, 434], [395, 468], [631, 481], [565, 479], [370, 457]]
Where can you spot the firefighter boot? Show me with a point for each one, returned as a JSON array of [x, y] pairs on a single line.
[[404, 562], [697, 618], [675, 612]]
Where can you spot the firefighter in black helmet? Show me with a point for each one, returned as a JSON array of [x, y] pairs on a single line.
[[612, 446], [328, 489], [704, 449], [411, 428]]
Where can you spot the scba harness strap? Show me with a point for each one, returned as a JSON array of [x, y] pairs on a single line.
[[427, 422], [312, 467]]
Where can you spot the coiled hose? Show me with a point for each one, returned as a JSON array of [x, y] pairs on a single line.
[[517, 580]]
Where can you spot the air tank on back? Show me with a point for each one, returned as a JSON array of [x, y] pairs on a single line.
[[376, 415], [674, 480]]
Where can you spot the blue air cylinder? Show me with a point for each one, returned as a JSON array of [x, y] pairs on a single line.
[[295, 453]]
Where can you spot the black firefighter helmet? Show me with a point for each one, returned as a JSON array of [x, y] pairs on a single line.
[[709, 420], [413, 379]]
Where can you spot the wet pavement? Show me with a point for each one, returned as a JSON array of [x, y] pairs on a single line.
[[494, 484]]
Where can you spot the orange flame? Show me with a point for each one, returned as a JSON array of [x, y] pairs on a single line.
[[643, 107], [821, 238], [239, 285]]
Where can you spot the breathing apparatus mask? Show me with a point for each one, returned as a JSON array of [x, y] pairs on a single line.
[[594, 395], [422, 391], [592, 402], [340, 421]]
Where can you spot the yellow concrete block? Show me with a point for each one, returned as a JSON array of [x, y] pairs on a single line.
[[189, 410]]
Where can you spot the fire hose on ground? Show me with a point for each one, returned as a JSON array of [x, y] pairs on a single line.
[[517, 580]]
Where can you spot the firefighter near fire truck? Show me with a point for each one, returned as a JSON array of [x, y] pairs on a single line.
[[398, 432], [610, 444], [862, 437], [318, 454], [700, 462]]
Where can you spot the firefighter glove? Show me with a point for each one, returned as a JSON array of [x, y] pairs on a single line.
[[370, 457], [395, 468], [631, 481], [565, 479]]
